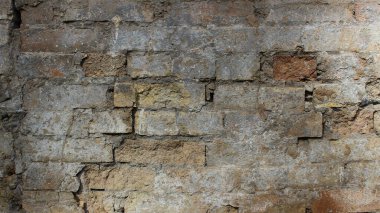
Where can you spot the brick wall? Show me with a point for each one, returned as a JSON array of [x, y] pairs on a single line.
[[189, 106]]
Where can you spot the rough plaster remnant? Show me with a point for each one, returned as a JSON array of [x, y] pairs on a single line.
[[126, 106]]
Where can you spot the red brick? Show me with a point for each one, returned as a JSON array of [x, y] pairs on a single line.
[[347, 200], [295, 68]]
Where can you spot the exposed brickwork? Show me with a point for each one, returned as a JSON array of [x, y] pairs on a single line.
[[127, 106]]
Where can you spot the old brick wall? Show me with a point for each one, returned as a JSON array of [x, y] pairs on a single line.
[[189, 106]]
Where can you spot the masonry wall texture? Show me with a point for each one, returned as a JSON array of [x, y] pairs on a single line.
[[203, 106]]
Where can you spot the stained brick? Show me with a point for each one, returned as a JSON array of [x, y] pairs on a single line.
[[161, 152], [47, 122], [149, 65], [115, 121], [294, 68], [156, 123], [347, 200], [91, 150], [176, 95], [337, 95], [124, 178], [282, 99], [127, 10], [66, 97], [100, 65], [239, 66], [236, 96], [39, 65], [200, 123], [124, 95], [63, 40], [195, 65], [52, 176]]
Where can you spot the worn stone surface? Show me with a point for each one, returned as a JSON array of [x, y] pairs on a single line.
[[126, 106]]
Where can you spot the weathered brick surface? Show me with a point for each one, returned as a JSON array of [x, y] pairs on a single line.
[[189, 106]]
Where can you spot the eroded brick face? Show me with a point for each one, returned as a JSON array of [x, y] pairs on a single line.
[[294, 68], [238, 106]]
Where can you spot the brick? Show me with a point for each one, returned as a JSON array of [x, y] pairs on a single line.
[[47, 122], [341, 67], [195, 65], [126, 10], [362, 174], [78, 10], [245, 123], [52, 176], [124, 178], [315, 175], [238, 66], [309, 14], [348, 149], [236, 96], [198, 180], [130, 38], [373, 90], [234, 40], [43, 13], [377, 122], [294, 68], [305, 125], [124, 95], [6, 145], [91, 150], [337, 95], [187, 38], [282, 99], [161, 152], [200, 123], [40, 65], [5, 60], [63, 40], [41, 150], [100, 65], [211, 13], [367, 12], [149, 65], [279, 38], [340, 38], [242, 150], [49, 201], [115, 121], [5, 9], [66, 97], [156, 123], [4, 33], [175, 95], [347, 200]]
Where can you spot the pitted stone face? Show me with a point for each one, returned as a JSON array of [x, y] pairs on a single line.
[[127, 106]]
